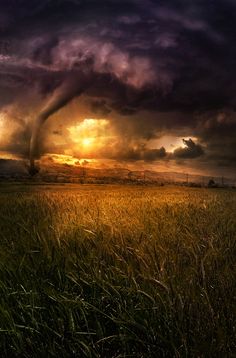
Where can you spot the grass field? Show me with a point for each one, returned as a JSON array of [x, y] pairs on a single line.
[[117, 271]]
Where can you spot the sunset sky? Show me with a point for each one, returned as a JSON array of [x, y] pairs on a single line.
[[135, 83]]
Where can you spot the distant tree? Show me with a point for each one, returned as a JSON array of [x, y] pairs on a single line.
[[211, 183]]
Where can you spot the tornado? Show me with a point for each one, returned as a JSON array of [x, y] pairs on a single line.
[[73, 86]]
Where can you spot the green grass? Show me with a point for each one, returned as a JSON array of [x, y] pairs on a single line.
[[112, 271]]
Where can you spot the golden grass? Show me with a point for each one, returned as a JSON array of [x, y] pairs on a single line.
[[117, 271]]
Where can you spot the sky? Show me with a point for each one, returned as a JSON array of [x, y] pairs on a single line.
[[135, 83]]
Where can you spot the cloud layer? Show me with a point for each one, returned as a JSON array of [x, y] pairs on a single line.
[[155, 69]]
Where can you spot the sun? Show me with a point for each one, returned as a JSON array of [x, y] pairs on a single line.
[[87, 141], [89, 135]]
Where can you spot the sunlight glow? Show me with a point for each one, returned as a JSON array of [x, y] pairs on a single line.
[[87, 141], [89, 135], [5, 128], [2, 117]]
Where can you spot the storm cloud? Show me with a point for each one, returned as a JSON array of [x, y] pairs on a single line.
[[190, 150], [157, 69]]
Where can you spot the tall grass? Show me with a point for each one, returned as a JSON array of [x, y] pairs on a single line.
[[117, 271]]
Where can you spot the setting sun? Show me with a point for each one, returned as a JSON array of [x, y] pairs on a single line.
[[87, 141], [90, 135]]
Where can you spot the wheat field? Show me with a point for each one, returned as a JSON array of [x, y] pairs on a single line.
[[117, 271]]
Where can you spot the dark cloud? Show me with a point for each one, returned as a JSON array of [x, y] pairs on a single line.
[[138, 153], [186, 44], [100, 107], [154, 154], [147, 59], [190, 150], [218, 130]]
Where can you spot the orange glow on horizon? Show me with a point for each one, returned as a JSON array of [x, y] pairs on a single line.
[[67, 159], [2, 120]]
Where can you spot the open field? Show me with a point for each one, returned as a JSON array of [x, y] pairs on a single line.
[[117, 271]]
